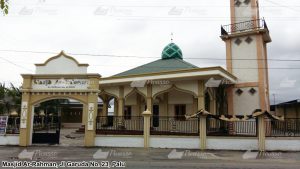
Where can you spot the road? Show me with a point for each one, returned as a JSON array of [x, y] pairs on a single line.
[[139, 158]]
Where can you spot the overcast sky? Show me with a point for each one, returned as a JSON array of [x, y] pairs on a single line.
[[141, 28]]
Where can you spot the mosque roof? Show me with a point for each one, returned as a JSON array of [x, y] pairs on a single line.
[[171, 59]]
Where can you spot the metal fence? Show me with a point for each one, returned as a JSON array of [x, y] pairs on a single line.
[[39, 124], [170, 125], [46, 124], [13, 125], [217, 127], [133, 125], [287, 128], [244, 26]]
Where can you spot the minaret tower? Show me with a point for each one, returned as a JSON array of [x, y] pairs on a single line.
[[246, 41]]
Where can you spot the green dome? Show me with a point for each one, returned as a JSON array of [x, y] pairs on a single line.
[[171, 51]]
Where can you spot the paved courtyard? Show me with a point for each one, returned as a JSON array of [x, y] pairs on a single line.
[[149, 158], [69, 137]]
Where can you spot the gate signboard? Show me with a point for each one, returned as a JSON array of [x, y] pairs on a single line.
[[3, 124], [60, 83]]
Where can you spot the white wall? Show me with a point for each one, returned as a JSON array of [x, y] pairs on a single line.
[[245, 70], [283, 144], [243, 12], [143, 90], [245, 103], [155, 141], [131, 100], [188, 142], [61, 65], [231, 143], [174, 142], [189, 85], [112, 90], [176, 97], [127, 90], [159, 88], [119, 141], [9, 140]]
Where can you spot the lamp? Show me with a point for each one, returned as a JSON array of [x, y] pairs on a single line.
[[14, 113], [42, 113]]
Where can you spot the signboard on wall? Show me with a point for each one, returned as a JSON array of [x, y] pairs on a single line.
[[23, 123], [3, 124], [90, 125], [60, 83]]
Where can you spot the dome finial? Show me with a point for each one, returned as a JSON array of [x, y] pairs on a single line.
[[171, 37]]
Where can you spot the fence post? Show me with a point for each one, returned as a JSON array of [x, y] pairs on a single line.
[[202, 118], [146, 115], [202, 131], [120, 108], [261, 133]]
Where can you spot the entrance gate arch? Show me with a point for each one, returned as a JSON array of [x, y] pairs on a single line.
[[60, 77]]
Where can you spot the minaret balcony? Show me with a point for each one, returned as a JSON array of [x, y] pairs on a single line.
[[246, 28]]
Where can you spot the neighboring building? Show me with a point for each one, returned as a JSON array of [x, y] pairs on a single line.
[[290, 109]]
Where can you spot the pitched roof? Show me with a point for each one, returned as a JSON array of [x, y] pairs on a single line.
[[289, 102], [160, 65]]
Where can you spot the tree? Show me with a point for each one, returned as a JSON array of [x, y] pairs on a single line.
[[53, 106], [4, 6], [16, 96], [221, 96], [10, 99], [2, 94]]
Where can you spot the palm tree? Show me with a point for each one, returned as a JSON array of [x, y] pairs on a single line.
[[10, 99], [10, 102], [16, 97]]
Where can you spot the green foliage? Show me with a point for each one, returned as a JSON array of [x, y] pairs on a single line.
[[2, 94], [4, 6], [51, 106], [221, 97], [10, 98]]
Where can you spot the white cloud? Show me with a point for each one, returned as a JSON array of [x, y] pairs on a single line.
[[287, 83]]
